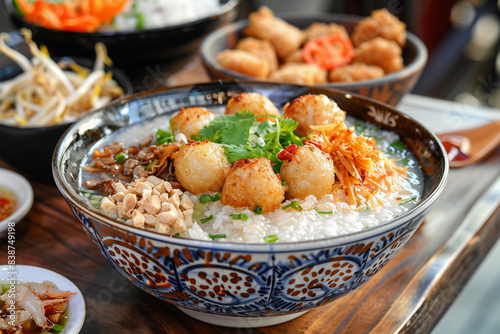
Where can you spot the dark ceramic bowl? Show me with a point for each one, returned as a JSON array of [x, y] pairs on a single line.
[[389, 89], [30, 149], [134, 48], [237, 284]]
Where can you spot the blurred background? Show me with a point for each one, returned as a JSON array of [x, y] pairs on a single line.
[[462, 37]]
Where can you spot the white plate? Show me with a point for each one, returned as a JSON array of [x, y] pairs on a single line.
[[76, 306], [24, 194]]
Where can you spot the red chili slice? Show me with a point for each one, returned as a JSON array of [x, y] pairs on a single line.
[[328, 52]]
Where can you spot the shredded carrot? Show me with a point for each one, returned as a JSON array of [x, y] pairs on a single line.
[[362, 171]]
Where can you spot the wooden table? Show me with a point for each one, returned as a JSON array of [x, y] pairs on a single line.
[[409, 295]]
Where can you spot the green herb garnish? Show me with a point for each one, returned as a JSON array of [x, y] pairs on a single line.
[[359, 126], [141, 21], [177, 235], [216, 236], [239, 216], [294, 205], [121, 157], [244, 138], [258, 210], [284, 183], [323, 212], [209, 218], [271, 238]]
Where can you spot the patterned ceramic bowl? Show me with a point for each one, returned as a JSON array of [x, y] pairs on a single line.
[[234, 284], [389, 89]]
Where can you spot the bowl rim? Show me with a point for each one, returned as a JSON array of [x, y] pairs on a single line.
[[225, 8], [32, 273], [420, 207], [417, 63], [23, 191]]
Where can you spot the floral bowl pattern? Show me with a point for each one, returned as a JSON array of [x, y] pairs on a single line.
[[234, 284], [389, 89]]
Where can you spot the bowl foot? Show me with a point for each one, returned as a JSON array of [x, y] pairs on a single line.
[[240, 322]]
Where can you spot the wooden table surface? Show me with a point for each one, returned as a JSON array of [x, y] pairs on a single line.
[[409, 295]]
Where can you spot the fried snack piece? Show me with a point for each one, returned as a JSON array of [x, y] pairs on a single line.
[[307, 171], [380, 24], [262, 49], [380, 52], [255, 103], [244, 63], [355, 72], [313, 110], [283, 36], [294, 57], [252, 183], [189, 121], [201, 167], [299, 73], [318, 29]]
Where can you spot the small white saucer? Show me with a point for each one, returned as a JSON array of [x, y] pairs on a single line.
[[24, 195], [76, 305]]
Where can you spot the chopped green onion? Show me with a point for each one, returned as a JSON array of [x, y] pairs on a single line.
[[284, 183], [204, 198], [216, 236], [323, 212], [177, 235], [258, 210], [150, 166], [404, 161], [209, 218], [207, 198], [121, 157], [398, 145], [239, 216], [141, 21], [359, 126], [95, 200], [58, 327], [294, 204], [408, 200], [271, 238]]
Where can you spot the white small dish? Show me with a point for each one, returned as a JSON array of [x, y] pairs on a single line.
[[76, 306], [24, 194]]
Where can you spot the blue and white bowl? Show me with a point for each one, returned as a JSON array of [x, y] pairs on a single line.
[[234, 284]]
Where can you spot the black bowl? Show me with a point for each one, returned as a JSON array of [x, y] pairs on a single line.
[[133, 48], [30, 149], [389, 89]]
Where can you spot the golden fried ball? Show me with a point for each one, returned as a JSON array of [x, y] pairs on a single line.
[[191, 120], [313, 110], [252, 183], [307, 171], [255, 103], [201, 167]]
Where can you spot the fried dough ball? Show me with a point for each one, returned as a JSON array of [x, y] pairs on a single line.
[[252, 183], [262, 49], [244, 62], [191, 120], [313, 110], [294, 57], [299, 73], [307, 171], [255, 103], [285, 37], [355, 72], [318, 29], [380, 24], [380, 52], [201, 167]]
